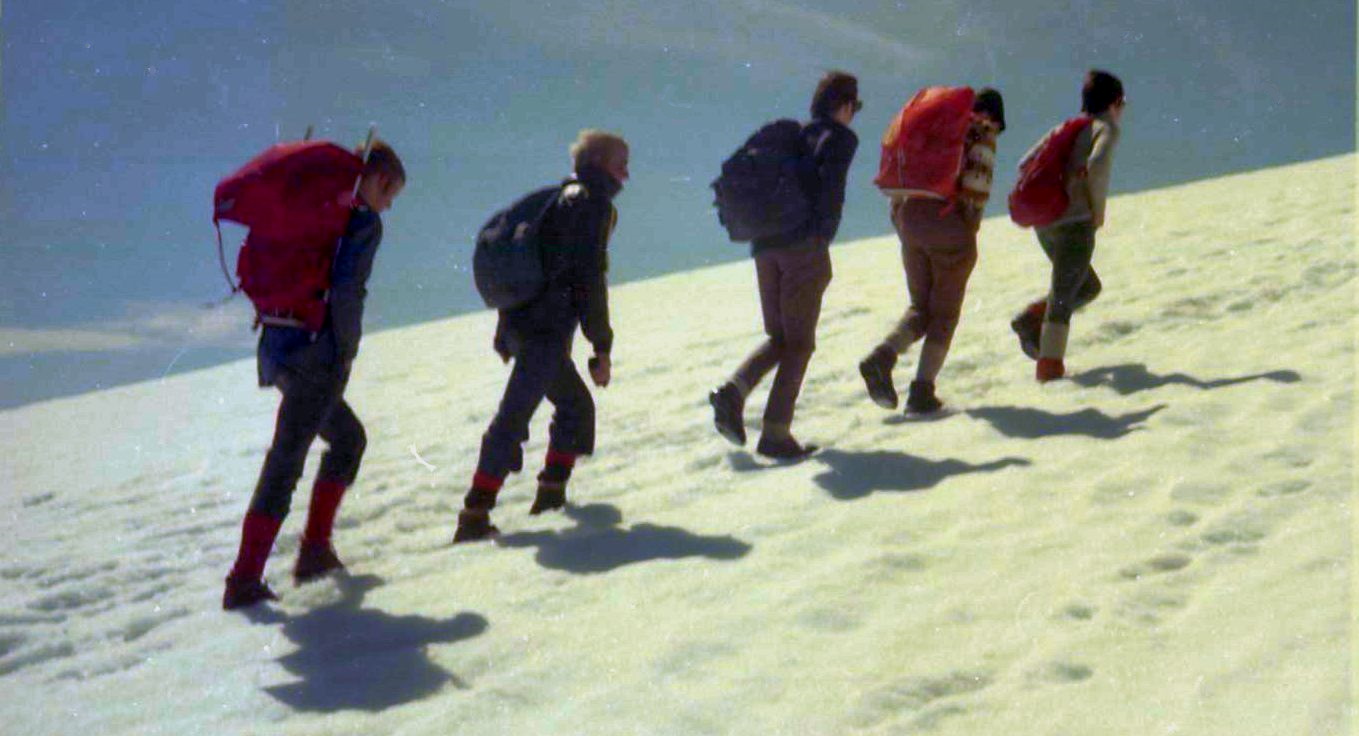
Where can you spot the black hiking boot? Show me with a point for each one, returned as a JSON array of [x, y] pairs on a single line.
[[241, 593], [728, 408], [784, 448], [474, 525], [550, 498], [921, 398], [877, 372], [314, 561]]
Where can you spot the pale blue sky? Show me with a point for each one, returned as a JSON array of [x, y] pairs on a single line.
[[118, 118]]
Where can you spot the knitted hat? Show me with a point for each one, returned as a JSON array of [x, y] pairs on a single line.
[[988, 101]]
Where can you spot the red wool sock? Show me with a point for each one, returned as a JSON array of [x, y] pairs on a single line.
[[486, 482], [325, 503], [258, 532], [560, 459]]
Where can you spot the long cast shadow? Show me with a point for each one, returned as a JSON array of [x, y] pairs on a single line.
[[1029, 423], [354, 658], [854, 475], [1129, 378], [599, 544]]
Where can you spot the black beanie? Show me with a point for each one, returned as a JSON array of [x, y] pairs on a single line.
[[988, 101]]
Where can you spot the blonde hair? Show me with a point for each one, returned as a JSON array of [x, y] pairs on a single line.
[[594, 147]]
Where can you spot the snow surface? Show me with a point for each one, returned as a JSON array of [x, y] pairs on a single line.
[[1161, 545]]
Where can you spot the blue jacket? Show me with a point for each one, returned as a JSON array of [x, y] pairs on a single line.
[[328, 354]]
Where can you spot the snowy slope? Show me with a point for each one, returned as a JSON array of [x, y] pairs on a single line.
[[1161, 545]]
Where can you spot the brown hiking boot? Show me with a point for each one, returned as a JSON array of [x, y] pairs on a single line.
[[728, 408], [474, 525], [314, 561], [551, 496], [921, 399], [876, 370], [784, 448], [241, 593], [1028, 327]]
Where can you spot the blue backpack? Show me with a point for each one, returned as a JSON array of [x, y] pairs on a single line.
[[507, 264], [762, 189]]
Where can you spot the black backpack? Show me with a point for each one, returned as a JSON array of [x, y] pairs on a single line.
[[762, 189], [507, 264]]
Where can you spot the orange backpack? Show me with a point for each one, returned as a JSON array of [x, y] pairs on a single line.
[[922, 149]]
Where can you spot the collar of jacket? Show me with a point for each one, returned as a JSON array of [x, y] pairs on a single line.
[[597, 181], [835, 125]]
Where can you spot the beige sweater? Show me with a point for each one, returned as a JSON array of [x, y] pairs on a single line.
[[1088, 172]]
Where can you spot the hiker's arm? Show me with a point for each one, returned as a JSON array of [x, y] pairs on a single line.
[[348, 283], [974, 181], [1098, 167], [590, 291], [833, 155]]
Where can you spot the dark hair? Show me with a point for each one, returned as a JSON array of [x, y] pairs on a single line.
[[988, 101], [383, 161], [834, 89], [1099, 92]]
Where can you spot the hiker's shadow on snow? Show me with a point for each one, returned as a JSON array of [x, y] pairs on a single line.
[[852, 475], [1028, 423], [354, 658], [598, 543], [1129, 378]]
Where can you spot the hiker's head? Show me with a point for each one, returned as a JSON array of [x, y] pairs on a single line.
[[837, 97], [604, 151], [1101, 92], [383, 177], [989, 104]]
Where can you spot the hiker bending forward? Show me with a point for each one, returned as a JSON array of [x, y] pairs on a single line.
[[939, 250], [537, 336], [311, 371]]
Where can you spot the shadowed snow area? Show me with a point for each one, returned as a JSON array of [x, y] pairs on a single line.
[[1161, 544]]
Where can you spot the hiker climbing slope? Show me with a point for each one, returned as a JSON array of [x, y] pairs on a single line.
[[1062, 190], [938, 160], [793, 269], [309, 303], [542, 299]]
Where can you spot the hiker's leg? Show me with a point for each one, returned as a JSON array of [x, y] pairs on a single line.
[[807, 274], [766, 356]]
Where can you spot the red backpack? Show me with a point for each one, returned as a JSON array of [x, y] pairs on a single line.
[[922, 149], [1039, 196], [296, 199]]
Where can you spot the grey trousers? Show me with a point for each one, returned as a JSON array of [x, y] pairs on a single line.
[[1070, 247]]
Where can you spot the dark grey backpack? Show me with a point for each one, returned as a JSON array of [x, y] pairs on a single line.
[[762, 190], [508, 261]]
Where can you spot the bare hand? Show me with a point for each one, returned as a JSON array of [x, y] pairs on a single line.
[[601, 370]]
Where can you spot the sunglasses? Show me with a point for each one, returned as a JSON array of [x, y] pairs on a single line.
[[858, 105]]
